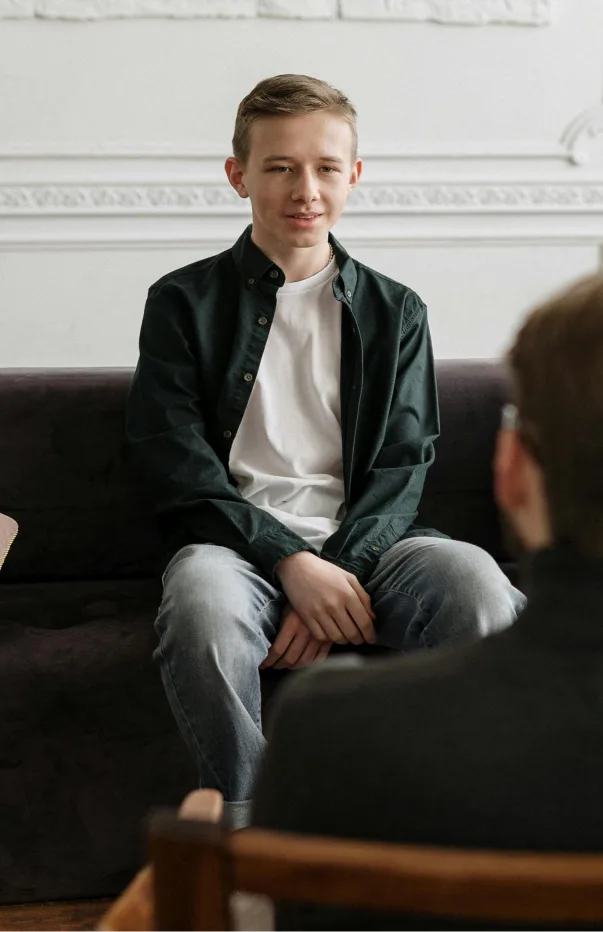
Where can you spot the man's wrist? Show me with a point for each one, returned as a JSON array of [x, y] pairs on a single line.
[[287, 562]]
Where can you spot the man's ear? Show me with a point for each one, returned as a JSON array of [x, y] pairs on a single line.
[[356, 173], [234, 173], [510, 471]]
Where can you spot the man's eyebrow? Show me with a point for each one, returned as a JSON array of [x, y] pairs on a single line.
[[289, 158]]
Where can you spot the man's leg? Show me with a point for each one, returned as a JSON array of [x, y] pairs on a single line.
[[431, 591], [217, 619]]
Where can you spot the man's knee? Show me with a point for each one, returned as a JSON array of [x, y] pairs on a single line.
[[459, 585], [202, 587], [472, 578], [464, 566], [217, 609]]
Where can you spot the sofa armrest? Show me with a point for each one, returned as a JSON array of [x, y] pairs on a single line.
[[8, 532]]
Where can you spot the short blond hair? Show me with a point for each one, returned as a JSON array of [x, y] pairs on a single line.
[[293, 95], [557, 369]]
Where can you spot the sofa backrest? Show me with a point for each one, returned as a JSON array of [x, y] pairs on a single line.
[[82, 515], [458, 495]]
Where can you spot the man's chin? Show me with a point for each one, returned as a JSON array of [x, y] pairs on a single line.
[[305, 239]]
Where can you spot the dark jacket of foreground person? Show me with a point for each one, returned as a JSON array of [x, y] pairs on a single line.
[[498, 744]]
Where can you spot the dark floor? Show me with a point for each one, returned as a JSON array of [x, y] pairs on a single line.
[[75, 915]]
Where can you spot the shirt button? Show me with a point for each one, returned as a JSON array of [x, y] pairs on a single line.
[[248, 377], [348, 294], [274, 274], [376, 548], [227, 434], [262, 321], [251, 281]]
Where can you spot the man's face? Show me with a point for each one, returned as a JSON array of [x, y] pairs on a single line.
[[298, 174]]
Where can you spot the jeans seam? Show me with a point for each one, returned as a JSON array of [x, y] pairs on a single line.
[[408, 592], [205, 757], [203, 753], [426, 641], [258, 720]]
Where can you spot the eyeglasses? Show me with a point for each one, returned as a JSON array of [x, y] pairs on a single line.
[[509, 417], [510, 420]]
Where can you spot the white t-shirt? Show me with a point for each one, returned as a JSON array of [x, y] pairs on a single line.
[[286, 457]]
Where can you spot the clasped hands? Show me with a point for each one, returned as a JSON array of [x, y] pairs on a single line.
[[326, 606]]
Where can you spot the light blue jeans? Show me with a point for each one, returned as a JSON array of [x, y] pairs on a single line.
[[219, 616]]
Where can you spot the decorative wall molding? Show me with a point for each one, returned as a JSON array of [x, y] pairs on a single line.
[[118, 197], [194, 199], [477, 196], [128, 9], [453, 151], [581, 135], [127, 199], [456, 12]]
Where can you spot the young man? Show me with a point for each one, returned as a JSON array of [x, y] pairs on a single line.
[[497, 744], [284, 411]]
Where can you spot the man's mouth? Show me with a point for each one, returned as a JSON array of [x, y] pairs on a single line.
[[304, 216]]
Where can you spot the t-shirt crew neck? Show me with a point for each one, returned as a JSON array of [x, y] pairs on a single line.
[[286, 457], [307, 284]]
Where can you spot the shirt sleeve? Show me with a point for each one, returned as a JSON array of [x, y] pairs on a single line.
[[167, 434], [387, 505]]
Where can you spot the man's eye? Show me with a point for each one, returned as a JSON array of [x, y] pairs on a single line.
[[328, 169], [280, 168]]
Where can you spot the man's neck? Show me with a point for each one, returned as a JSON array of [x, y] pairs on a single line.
[[297, 263]]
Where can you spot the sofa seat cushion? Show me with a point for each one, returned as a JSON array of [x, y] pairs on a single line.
[[87, 741]]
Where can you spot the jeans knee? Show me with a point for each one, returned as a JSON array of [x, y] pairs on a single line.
[[202, 587], [464, 565], [216, 610], [471, 574]]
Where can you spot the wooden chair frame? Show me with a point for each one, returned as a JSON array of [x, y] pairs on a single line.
[[196, 866]]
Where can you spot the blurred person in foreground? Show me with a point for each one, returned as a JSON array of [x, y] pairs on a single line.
[[499, 743]]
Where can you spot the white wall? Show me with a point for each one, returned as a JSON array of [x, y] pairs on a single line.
[[483, 185]]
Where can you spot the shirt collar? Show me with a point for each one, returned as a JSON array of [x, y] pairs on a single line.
[[254, 266]]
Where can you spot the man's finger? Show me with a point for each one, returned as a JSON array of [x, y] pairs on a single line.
[[330, 624], [316, 629], [295, 650], [269, 660], [362, 594], [346, 625], [361, 617], [309, 655], [280, 645]]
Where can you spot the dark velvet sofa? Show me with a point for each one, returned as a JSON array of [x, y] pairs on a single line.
[[87, 743]]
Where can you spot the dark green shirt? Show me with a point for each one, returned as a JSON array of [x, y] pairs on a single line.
[[203, 334]]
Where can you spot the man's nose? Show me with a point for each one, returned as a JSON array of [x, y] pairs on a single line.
[[305, 188]]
